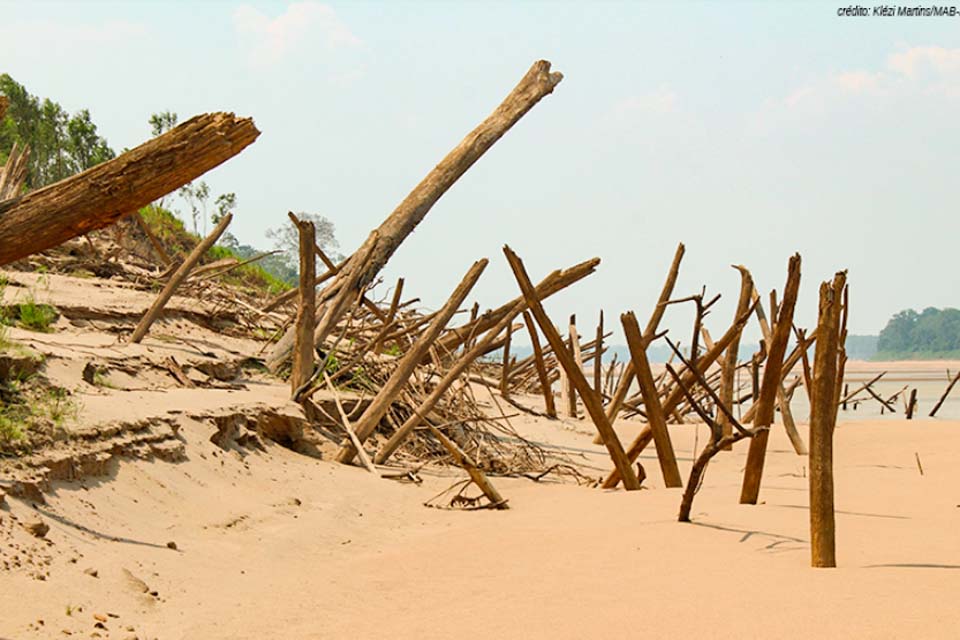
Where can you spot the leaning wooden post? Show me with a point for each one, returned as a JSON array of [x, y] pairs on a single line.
[[822, 422], [449, 377], [766, 403], [371, 417], [549, 406], [946, 393], [598, 358], [912, 403], [505, 368], [728, 366], [651, 400], [178, 276], [574, 345], [464, 460], [590, 400], [303, 350], [626, 377]]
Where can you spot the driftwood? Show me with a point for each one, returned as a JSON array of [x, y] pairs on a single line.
[[345, 419], [946, 393], [651, 400], [464, 460], [771, 384], [912, 404], [535, 85], [151, 237], [411, 359], [101, 195], [13, 174], [178, 276], [729, 363], [823, 417], [590, 399], [302, 369], [549, 406]]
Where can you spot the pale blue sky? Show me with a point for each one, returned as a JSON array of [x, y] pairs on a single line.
[[745, 130]]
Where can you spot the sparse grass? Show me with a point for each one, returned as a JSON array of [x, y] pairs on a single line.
[[393, 350], [32, 412], [35, 316]]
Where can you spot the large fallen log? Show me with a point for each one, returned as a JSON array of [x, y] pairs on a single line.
[[103, 194], [537, 83]]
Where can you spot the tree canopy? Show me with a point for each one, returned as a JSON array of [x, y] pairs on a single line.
[[929, 333], [60, 144]]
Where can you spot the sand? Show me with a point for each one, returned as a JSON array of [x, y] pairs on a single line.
[[276, 544]]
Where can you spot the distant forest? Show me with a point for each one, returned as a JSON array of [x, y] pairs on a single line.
[[933, 333]]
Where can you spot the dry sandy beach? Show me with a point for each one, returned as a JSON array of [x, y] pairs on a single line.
[[275, 544]]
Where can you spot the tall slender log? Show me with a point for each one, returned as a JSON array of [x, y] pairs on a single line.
[[302, 369], [101, 195], [788, 423], [766, 403], [574, 345], [673, 400], [626, 378], [912, 403], [151, 238], [730, 359], [411, 359], [345, 419], [591, 400], [651, 400], [823, 414], [549, 406], [178, 276], [505, 368], [598, 358]]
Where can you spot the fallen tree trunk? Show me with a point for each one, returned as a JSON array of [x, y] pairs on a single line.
[[100, 196], [537, 83]]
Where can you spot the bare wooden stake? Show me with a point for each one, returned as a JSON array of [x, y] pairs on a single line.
[[178, 276], [651, 400], [598, 358], [946, 393], [549, 406], [364, 458], [823, 414], [766, 403], [728, 366], [302, 369]]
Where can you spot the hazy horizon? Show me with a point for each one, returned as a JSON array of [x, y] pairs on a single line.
[[747, 131]]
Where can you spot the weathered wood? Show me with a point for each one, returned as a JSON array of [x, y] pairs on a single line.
[[549, 406], [178, 276], [302, 368], [788, 422], [13, 174], [101, 195], [505, 367], [912, 403], [464, 460], [728, 365], [345, 419], [823, 412], [151, 238], [637, 345], [449, 377], [943, 398], [411, 359], [626, 377], [766, 402], [598, 358], [591, 400], [574, 346], [672, 401], [391, 314]]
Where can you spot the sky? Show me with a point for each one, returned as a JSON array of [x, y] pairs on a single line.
[[747, 131]]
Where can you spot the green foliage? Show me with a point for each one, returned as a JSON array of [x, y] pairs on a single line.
[[34, 316], [162, 122], [393, 350], [60, 144], [930, 334]]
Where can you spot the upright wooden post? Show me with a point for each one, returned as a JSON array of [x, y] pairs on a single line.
[[549, 405], [912, 404], [505, 368], [728, 366], [598, 358], [590, 400], [578, 360], [178, 276], [302, 369], [651, 400], [822, 422]]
